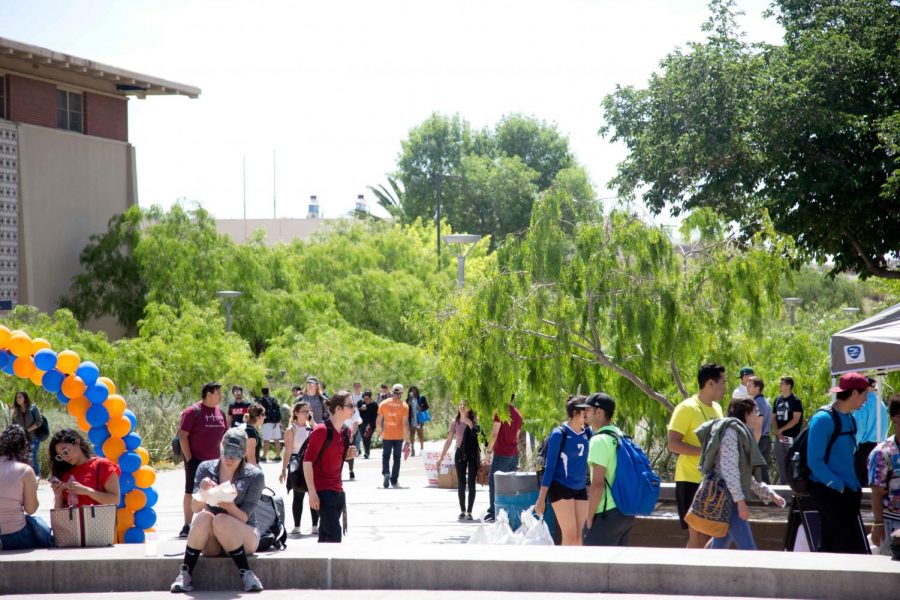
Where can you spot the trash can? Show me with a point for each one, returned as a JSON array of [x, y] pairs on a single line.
[[515, 492]]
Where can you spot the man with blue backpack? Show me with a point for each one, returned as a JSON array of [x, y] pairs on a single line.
[[622, 482]]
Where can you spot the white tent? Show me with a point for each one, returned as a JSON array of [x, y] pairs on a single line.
[[870, 345]]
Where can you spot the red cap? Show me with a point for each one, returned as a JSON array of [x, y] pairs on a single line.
[[851, 381]]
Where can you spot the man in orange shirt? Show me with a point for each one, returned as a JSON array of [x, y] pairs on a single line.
[[393, 425]]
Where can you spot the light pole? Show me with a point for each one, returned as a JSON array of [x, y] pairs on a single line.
[[438, 187], [228, 296], [457, 241], [851, 311], [792, 304]]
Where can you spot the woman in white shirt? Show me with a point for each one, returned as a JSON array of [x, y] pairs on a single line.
[[300, 426]]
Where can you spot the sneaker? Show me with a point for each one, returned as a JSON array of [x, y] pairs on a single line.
[[469, 517], [185, 531], [412, 452], [183, 583], [461, 517], [352, 476], [251, 582], [295, 531], [395, 484], [387, 481], [366, 456], [489, 518], [314, 531]]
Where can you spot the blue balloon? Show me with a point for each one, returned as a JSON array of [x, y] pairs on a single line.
[[8, 367], [88, 372], [134, 535], [5, 359], [97, 393], [145, 518], [130, 462], [126, 482], [45, 359], [62, 397], [152, 497], [98, 450], [98, 435], [97, 415], [121, 498], [131, 417], [52, 381], [132, 441]]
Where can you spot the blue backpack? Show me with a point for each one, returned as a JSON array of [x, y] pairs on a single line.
[[637, 486]]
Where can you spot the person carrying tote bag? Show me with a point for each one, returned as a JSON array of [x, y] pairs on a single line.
[[85, 490], [730, 458]]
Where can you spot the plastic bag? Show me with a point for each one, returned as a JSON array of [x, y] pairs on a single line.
[[498, 532], [224, 492], [534, 530]]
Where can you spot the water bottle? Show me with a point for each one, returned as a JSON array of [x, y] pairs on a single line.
[[151, 543]]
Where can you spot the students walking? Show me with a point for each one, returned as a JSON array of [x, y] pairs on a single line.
[[298, 431], [393, 424], [368, 412], [464, 431]]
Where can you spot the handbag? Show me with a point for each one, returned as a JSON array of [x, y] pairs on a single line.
[[710, 511], [295, 468], [423, 416], [43, 430], [84, 526], [484, 471]]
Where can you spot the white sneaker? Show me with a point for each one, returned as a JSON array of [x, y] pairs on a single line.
[[182, 583], [295, 531], [251, 582]]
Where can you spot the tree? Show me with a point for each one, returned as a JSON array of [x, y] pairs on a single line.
[[538, 143], [392, 200], [807, 131], [111, 283]]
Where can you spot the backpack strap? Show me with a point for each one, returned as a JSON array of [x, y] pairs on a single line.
[[836, 433], [329, 433], [618, 439]]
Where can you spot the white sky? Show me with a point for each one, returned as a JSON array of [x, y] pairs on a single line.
[[332, 87]]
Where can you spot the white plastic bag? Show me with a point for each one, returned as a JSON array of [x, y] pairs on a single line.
[[534, 531], [224, 492], [498, 532]]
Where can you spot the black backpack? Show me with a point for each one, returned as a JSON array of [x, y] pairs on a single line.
[[798, 470], [269, 515], [43, 430], [298, 479]]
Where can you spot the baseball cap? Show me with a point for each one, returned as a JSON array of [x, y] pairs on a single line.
[[312, 380], [397, 388], [851, 381], [746, 371], [234, 443], [367, 393], [601, 400]]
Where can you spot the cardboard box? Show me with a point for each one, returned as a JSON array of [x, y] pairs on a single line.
[[447, 480]]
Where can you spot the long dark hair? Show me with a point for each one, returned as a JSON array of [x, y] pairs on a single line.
[[409, 394], [298, 406], [470, 414], [66, 436], [27, 401], [14, 444]]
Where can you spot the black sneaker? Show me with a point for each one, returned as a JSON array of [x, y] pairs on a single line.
[[352, 476], [387, 481], [185, 531], [469, 517], [489, 518], [461, 517]]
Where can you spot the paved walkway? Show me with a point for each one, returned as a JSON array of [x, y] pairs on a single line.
[[369, 595]]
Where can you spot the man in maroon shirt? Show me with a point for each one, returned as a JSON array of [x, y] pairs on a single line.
[[328, 447], [200, 433], [505, 445]]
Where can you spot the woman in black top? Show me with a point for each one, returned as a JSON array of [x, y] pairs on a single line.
[[254, 418], [368, 412], [27, 415]]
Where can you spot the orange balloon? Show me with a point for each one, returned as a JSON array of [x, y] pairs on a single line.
[[135, 500], [145, 456], [36, 377], [126, 517], [83, 424], [77, 407], [19, 343], [144, 477], [73, 386], [115, 404], [4, 334], [113, 448], [67, 361], [108, 383], [23, 366], [119, 426], [39, 344]]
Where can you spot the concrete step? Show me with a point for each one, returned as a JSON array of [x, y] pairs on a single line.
[[469, 568]]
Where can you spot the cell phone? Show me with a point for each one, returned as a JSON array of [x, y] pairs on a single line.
[[54, 480]]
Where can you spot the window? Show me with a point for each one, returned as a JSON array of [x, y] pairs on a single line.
[[2, 97], [69, 111]]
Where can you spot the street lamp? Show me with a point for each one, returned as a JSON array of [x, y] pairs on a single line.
[[457, 241], [792, 304], [850, 311], [228, 296]]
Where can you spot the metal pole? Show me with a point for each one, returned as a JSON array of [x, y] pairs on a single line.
[[274, 186], [227, 316], [244, 163], [460, 270], [793, 322], [437, 193]]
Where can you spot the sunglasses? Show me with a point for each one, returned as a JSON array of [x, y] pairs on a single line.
[[64, 453], [304, 411], [350, 406]]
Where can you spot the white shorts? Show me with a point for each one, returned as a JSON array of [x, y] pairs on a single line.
[[271, 431]]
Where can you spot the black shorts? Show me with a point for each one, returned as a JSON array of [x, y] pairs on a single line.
[[558, 491], [684, 496], [190, 473]]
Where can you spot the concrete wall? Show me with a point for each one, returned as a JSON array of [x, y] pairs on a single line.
[[70, 185], [281, 231]]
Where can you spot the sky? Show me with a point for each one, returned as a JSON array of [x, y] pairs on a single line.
[[315, 97]]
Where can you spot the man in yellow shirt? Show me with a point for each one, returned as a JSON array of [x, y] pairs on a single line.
[[393, 424], [688, 416]]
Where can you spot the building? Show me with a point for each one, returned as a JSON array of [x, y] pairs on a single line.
[[277, 231], [66, 166]]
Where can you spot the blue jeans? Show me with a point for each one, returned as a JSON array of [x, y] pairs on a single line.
[[506, 464], [739, 532], [389, 447], [35, 459], [357, 440], [35, 534]]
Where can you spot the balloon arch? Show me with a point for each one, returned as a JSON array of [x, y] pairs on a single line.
[[101, 413]]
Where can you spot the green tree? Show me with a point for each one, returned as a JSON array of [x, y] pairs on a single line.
[[538, 143], [806, 130]]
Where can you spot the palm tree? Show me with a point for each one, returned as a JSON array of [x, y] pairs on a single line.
[[390, 200]]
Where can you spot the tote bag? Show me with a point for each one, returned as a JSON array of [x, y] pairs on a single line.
[[710, 511], [84, 526]]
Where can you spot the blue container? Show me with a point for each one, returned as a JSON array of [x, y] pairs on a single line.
[[515, 504]]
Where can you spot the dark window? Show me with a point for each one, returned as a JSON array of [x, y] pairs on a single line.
[[69, 111], [2, 97]]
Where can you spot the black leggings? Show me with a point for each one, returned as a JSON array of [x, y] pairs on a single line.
[[466, 465], [297, 509]]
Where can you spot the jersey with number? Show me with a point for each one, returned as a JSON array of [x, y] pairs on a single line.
[[566, 462]]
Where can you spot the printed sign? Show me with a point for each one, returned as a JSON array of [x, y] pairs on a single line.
[[854, 354]]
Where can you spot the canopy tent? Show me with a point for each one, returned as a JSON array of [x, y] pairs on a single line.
[[870, 345]]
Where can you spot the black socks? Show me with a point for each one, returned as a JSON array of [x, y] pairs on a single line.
[[191, 555], [240, 559]]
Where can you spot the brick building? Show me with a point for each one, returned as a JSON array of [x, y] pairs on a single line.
[[66, 165]]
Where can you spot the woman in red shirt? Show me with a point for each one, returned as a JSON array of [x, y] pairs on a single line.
[[79, 477]]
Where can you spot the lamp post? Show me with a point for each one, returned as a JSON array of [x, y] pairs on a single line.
[[457, 241], [792, 304], [228, 296], [438, 187], [851, 311]]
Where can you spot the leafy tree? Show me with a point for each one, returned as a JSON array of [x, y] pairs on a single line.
[[807, 130], [538, 143], [392, 200]]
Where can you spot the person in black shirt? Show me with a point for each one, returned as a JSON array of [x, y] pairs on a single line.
[[238, 408], [254, 420], [271, 431], [787, 416], [368, 412]]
